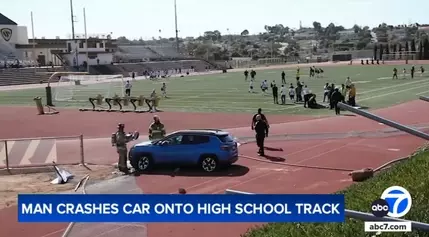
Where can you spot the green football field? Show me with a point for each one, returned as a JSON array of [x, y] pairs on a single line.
[[229, 92]]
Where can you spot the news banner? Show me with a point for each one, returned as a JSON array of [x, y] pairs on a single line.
[[180, 208]]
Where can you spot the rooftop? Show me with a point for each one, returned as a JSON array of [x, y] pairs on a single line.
[[6, 21]]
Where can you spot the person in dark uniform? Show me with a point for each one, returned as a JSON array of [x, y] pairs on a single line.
[[262, 117], [283, 77], [336, 97], [133, 75], [331, 91], [311, 72], [395, 73], [246, 75], [252, 75], [413, 69], [261, 129], [275, 91]]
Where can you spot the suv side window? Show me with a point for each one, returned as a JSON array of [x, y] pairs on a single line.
[[176, 140], [194, 139], [201, 139]]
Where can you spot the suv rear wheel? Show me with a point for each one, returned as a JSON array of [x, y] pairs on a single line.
[[209, 163]]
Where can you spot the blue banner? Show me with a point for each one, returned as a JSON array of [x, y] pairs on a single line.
[[179, 208]]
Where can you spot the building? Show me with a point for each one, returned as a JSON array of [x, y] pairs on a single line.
[[348, 35], [424, 29], [11, 35], [15, 45]]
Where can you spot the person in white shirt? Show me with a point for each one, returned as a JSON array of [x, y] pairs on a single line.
[[128, 87], [348, 82], [291, 92], [264, 87], [153, 98], [326, 90], [404, 72], [305, 92], [251, 86], [283, 94]]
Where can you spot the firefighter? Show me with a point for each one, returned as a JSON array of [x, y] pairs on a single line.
[[120, 140], [156, 129]]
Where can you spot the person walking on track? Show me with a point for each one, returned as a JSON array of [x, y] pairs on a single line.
[[261, 129]]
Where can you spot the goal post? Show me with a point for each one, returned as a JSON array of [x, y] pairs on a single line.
[[78, 88]]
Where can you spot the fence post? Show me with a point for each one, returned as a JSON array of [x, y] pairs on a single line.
[[6, 150], [82, 153]]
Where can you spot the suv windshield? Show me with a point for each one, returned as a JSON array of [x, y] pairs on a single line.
[[226, 138]]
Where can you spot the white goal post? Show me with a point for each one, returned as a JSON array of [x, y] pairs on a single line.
[[81, 87]]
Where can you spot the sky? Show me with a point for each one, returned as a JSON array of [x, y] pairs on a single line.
[[144, 18]]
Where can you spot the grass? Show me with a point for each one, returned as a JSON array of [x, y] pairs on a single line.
[[411, 174], [229, 93]]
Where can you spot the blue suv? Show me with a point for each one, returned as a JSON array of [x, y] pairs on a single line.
[[206, 148]]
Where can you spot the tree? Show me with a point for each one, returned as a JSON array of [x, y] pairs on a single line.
[[356, 29], [375, 51], [394, 48], [413, 45], [245, 33], [381, 52], [122, 40], [317, 26], [426, 49], [407, 48], [421, 50], [400, 49], [387, 49]]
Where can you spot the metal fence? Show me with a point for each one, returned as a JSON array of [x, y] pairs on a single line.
[[120, 185], [41, 151]]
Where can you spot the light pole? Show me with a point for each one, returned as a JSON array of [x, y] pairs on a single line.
[[73, 34], [175, 22], [86, 41], [34, 41]]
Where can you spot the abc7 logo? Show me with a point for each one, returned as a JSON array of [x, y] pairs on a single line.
[[380, 208]]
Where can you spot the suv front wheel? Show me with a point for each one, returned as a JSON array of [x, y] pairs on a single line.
[[143, 163], [209, 163]]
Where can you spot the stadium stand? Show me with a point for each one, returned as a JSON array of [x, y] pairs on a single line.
[[23, 76], [136, 52], [166, 51], [140, 68]]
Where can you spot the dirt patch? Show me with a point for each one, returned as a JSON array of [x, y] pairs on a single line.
[[12, 185]]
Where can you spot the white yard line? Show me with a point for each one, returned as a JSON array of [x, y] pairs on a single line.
[[421, 93]]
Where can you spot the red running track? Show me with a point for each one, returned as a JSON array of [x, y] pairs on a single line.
[[255, 176]]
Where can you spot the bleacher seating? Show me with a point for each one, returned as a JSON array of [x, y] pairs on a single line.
[[140, 68], [135, 52], [166, 51], [22, 76]]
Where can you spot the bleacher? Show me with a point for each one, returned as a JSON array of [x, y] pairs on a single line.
[[198, 65], [166, 51], [23, 76], [140, 68], [136, 52]]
